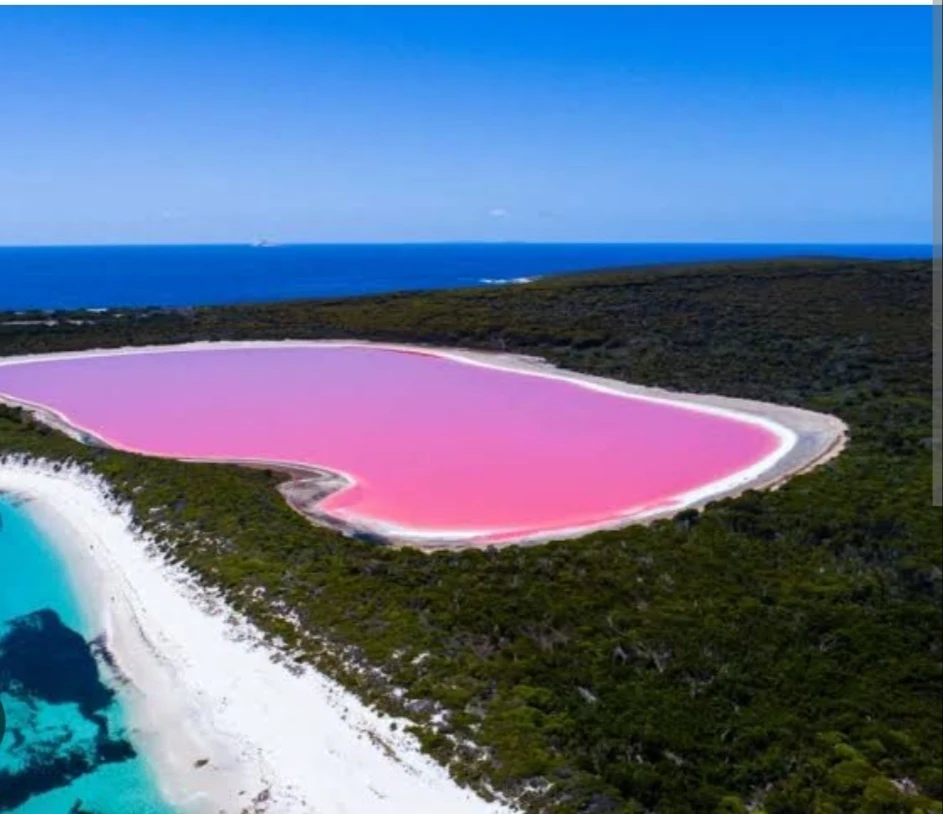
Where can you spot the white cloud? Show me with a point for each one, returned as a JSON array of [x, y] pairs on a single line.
[[498, 213]]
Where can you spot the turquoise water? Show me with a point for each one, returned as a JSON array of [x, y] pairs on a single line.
[[66, 747]]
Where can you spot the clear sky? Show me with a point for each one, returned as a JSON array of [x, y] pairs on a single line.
[[340, 124]]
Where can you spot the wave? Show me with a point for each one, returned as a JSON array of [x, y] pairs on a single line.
[[507, 280]]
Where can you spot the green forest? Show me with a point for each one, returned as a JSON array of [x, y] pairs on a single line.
[[779, 652]]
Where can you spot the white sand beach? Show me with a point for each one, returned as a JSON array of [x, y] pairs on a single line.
[[224, 727]]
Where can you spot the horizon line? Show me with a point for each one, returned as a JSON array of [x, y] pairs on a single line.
[[297, 243]]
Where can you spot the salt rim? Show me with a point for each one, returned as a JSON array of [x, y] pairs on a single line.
[[507, 363]]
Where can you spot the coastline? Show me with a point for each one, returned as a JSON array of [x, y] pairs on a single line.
[[807, 439], [224, 725]]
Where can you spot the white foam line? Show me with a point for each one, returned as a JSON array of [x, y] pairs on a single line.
[[505, 363]]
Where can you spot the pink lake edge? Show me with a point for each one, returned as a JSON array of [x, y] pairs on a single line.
[[521, 366]]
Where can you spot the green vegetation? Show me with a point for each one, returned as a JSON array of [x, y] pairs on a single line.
[[780, 652]]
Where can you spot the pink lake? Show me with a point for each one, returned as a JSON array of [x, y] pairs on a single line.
[[435, 446]]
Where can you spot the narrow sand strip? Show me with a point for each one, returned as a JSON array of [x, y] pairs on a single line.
[[225, 728]]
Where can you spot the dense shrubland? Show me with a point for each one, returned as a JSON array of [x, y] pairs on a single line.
[[779, 652]]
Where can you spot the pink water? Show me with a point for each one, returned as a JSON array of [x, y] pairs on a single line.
[[434, 444]]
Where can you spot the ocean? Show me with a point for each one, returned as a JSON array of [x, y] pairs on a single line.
[[66, 748], [116, 276]]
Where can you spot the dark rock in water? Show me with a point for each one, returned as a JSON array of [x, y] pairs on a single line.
[[42, 661], [46, 771], [52, 663]]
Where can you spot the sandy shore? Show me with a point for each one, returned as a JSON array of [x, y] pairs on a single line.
[[224, 726], [807, 439]]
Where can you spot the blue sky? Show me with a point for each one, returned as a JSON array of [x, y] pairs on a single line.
[[337, 124]]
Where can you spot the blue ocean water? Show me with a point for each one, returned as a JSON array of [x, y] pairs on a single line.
[[66, 749], [111, 276]]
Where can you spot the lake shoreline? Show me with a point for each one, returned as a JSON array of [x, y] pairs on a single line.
[[806, 439]]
